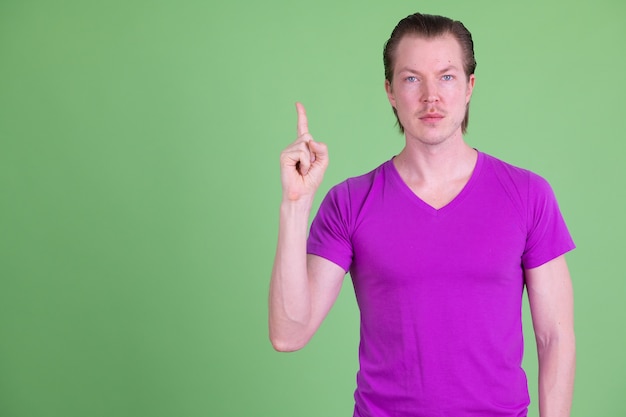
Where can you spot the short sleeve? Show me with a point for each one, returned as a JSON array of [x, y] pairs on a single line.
[[548, 236], [329, 236]]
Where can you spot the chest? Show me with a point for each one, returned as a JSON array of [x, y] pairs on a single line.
[[438, 196], [478, 241]]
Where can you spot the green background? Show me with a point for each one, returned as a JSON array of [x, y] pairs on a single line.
[[139, 145]]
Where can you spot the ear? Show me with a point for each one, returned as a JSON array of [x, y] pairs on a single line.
[[470, 88], [390, 97]]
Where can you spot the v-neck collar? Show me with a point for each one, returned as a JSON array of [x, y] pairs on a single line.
[[405, 189]]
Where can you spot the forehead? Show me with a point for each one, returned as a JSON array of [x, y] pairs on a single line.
[[423, 53]]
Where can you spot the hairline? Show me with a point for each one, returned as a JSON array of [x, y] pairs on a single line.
[[426, 36]]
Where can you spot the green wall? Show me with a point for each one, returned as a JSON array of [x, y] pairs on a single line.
[[139, 184]]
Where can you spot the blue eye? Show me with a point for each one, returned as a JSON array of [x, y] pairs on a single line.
[[411, 79], [447, 77]]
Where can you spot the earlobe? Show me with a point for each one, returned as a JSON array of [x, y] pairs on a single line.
[[390, 97], [470, 85]]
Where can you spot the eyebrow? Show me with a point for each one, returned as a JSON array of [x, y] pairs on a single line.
[[441, 71], [450, 68]]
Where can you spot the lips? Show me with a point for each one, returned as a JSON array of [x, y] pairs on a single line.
[[431, 117]]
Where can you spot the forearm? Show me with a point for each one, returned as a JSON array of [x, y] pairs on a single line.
[[296, 303], [557, 364], [290, 294]]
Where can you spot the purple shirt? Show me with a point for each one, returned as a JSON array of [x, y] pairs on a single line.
[[440, 291]]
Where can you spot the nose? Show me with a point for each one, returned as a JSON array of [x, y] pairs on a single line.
[[430, 94]]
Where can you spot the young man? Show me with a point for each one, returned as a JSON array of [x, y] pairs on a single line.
[[439, 242]]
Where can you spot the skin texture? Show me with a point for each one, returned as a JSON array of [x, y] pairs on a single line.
[[303, 287], [430, 92], [552, 307]]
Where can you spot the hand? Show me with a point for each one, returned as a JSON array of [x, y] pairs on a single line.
[[303, 163]]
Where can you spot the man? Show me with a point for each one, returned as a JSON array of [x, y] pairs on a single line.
[[439, 242]]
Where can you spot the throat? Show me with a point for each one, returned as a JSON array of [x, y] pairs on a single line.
[[437, 183]]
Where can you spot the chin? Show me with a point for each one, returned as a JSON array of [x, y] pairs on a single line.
[[433, 136], [428, 138]]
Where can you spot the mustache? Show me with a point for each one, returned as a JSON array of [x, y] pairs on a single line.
[[430, 110]]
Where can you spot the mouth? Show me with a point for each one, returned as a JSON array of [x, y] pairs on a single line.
[[431, 117]]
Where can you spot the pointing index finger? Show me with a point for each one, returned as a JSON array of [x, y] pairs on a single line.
[[303, 123]]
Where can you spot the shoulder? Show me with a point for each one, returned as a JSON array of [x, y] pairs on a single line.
[[512, 176], [529, 192], [348, 198], [358, 187]]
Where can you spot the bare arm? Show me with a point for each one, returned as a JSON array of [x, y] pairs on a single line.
[[303, 288], [552, 307]]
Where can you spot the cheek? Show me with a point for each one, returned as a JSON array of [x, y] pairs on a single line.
[[458, 95], [408, 94], [466, 92]]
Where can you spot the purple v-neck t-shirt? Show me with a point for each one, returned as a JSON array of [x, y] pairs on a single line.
[[440, 291]]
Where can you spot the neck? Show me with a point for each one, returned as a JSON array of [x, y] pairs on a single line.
[[420, 163]]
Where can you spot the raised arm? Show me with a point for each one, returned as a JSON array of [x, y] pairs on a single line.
[[552, 307], [303, 288]]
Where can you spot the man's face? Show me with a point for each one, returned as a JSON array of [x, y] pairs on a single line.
[[430, 90]]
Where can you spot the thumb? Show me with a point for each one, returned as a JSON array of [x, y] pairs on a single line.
[[319, 152]]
